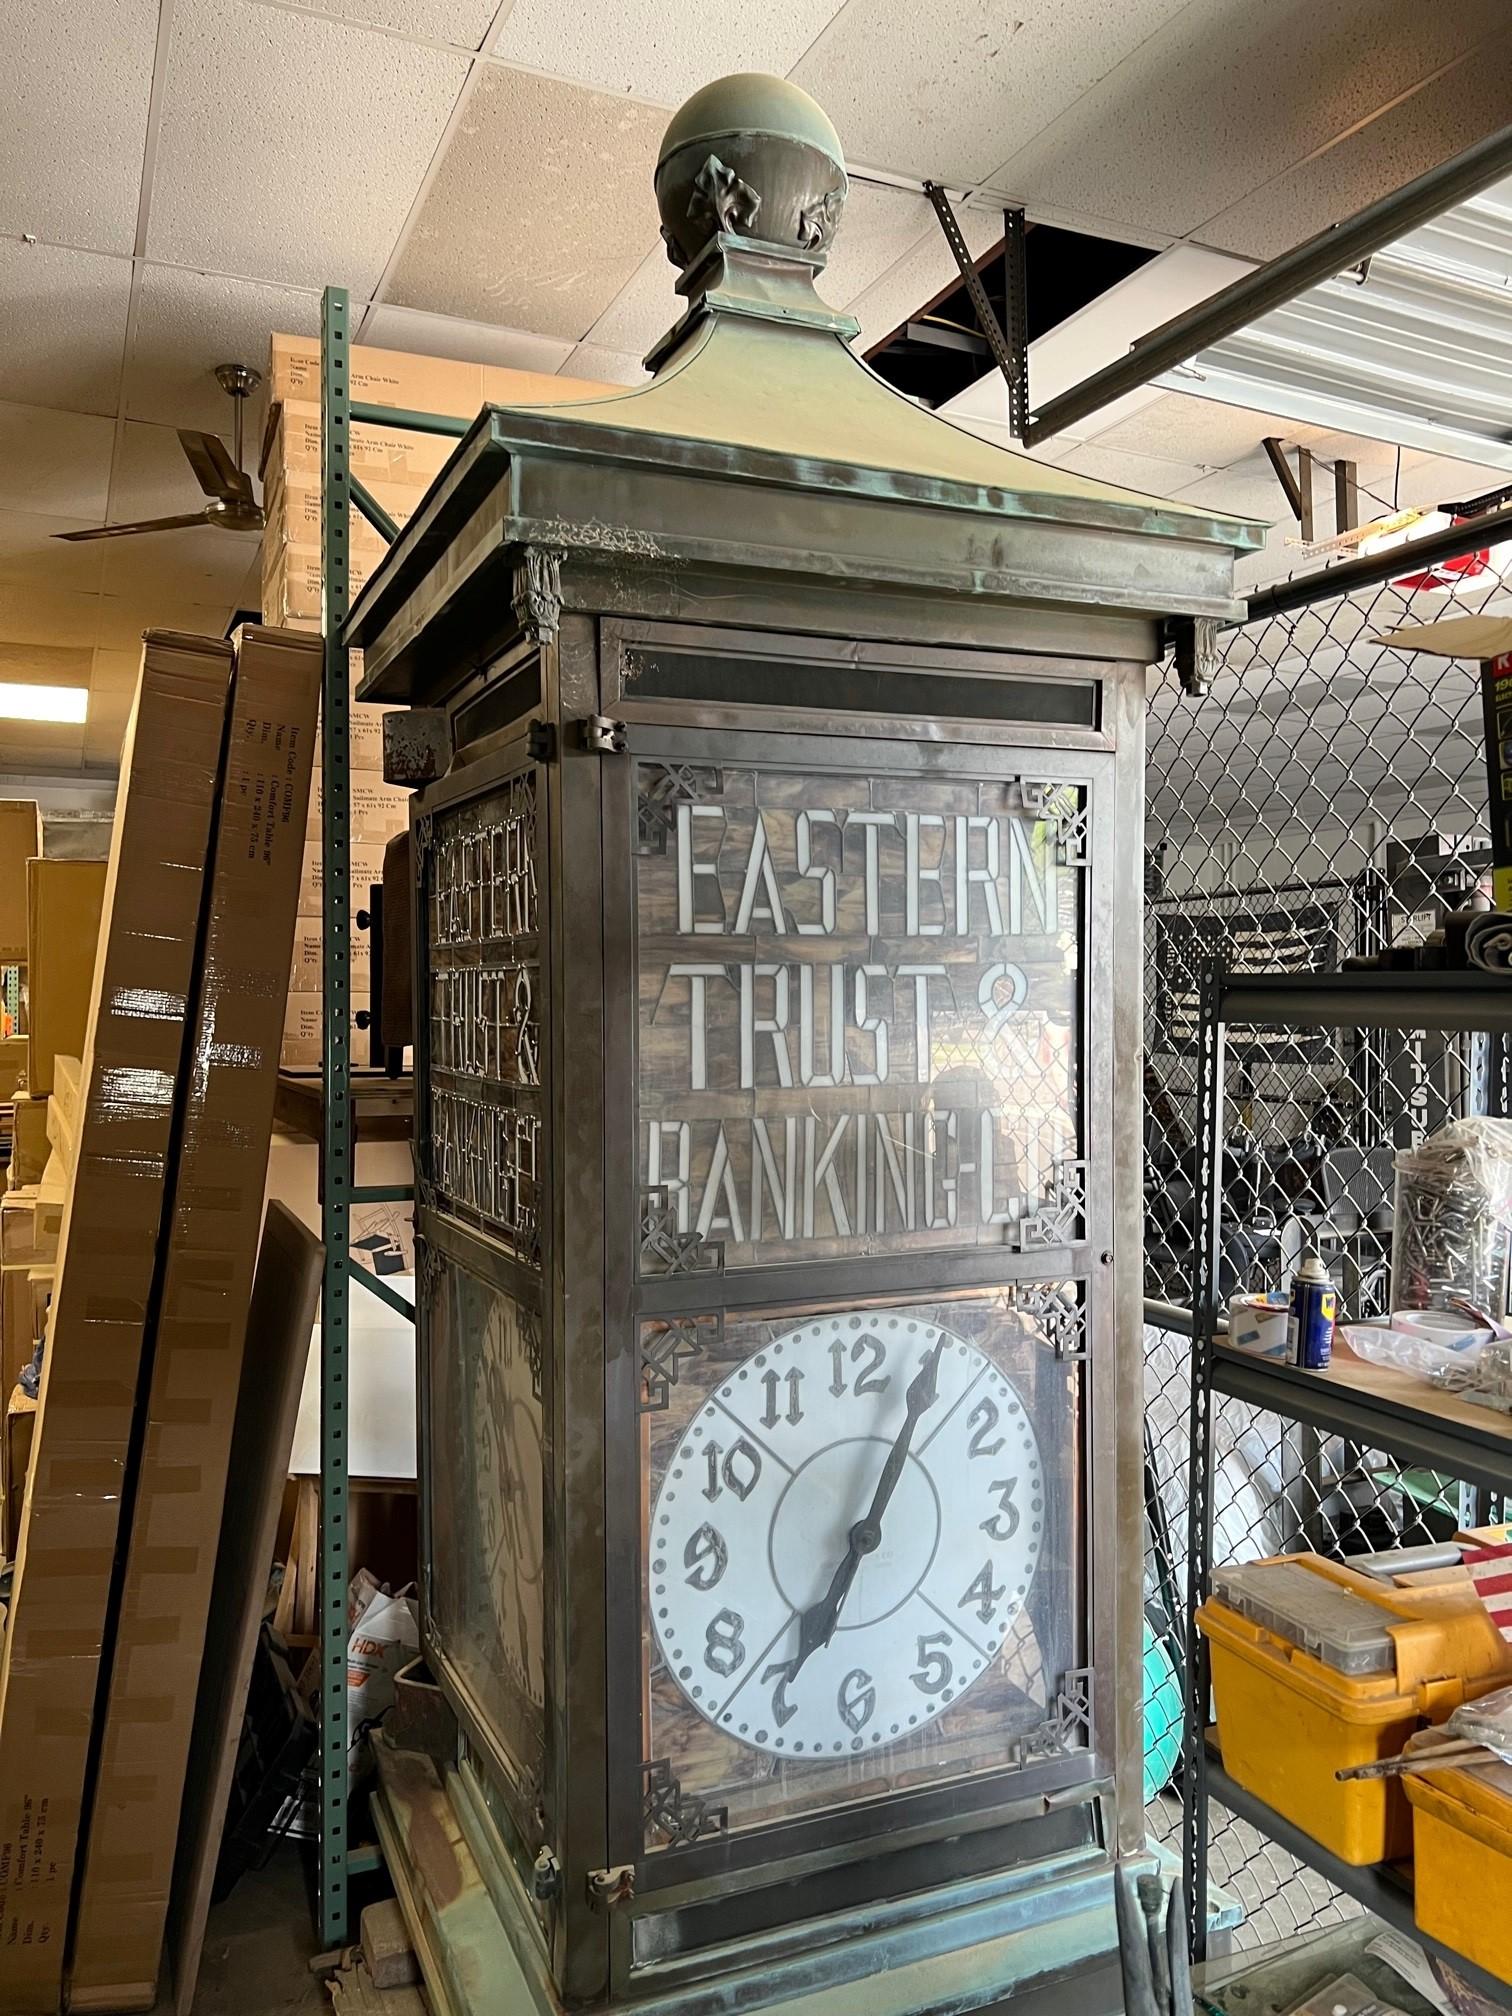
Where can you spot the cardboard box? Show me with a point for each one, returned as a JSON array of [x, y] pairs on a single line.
[[306, 973], [29, 1149], [31, 1226], [201, 1329], [15, 1462], [294, 512], [291, 445], [24, 1294], [134, 1057], [293, 579], [378, 810], [421, 384], [365, 867], [300, 1048], [20, 842], [63, 1109], [63, 900], [12, 1067]]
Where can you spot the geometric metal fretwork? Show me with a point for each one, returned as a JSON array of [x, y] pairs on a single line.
[[681, 1818]]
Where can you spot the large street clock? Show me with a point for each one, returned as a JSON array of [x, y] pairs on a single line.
[[777, 1006]]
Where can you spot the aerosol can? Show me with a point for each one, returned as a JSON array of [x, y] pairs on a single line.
[[1310, 1323]]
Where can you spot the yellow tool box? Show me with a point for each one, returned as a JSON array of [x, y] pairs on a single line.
[[1316, 1668], [1462, 1858]]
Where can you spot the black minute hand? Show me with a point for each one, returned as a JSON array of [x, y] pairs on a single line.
[[817, 1625]]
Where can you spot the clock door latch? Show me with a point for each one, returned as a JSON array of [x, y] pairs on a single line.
[[608, 1887]]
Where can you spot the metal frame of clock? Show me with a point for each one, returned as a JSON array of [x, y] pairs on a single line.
[[778, 995]]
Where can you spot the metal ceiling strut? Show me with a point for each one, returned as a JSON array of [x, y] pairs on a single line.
[[1010, 348], [1332, 251]]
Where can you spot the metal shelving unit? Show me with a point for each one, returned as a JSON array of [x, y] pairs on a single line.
[[342, 1111], [1361, 1403]]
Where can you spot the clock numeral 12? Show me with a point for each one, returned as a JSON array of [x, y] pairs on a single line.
[[934, 1670], [874, 1352], [724, 1648], [857, 1700], [737, 1469], [994, 1527], [707, 1556], [772, 1382], [983, 1594]]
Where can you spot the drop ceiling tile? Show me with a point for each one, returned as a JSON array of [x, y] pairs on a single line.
[[646, 307], [390, 328], [32, 557], [200, 564], [1154, 475], [186, 324], [605, 367], [62, 326], [1450, 114], [78, 78], [540, 211], [1249, 489], [154, 605], [1270, 85], [878, 227], [1183, 429], [47, 615], [47, 664], [31, 746], [661, 49], [292, 147], [920, 276], [462, 22], [1438, 479], [55, 463], [947, 91], [151, 477]]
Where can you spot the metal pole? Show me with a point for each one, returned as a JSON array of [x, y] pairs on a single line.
[[1365, 572], [336, 1139], [1281, 280]]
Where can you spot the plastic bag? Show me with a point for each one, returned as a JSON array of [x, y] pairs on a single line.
[[387, 1637], [1452, 1220]]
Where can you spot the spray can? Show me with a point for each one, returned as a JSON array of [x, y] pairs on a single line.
[[1310, 1322]]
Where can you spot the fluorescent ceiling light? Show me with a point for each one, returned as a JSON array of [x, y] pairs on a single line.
[[42, 703]]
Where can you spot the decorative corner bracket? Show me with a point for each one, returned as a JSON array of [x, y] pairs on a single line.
[[664, 1249], [1060, 1219], [538, 592], [681, 1818], [665, 1351]]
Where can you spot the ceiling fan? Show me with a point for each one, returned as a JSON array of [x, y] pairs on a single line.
[[232, 505]]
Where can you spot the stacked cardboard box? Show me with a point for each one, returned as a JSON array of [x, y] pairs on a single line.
[[397, 466]]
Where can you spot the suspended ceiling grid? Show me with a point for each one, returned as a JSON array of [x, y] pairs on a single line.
[[179, 177]]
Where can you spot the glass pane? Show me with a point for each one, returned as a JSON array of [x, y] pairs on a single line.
[[485, 1482], [859, 1013], [862, 1551], [483, 1019]]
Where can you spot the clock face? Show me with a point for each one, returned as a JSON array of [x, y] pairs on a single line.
[[845, 1535]]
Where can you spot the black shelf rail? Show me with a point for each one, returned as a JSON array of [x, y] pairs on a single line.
[[1354, 999]]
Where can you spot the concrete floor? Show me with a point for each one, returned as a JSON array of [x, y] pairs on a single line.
[[258, 1945]]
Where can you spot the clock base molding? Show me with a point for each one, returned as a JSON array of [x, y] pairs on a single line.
[[1021, 1937]]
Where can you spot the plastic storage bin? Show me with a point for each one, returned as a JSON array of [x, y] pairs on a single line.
[[1462, 1861], [1316, 1668]]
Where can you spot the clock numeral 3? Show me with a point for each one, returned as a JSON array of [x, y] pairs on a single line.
[[772, 1381], [724, 1649], [783, 1710], [737, 1469], [868, 1348], [707, 1556], [934, 1670], [857, 1700], [994, 1527], [986, 1414], [984, 1595]]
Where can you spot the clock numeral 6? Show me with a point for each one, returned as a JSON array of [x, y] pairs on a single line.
[[707, 1556], [984, 1418], [994, 1527], [724, 1649], [857, 1700], [934, 1670], [983, 1594], [783, 1710], [873, 1352], [737, 1469]]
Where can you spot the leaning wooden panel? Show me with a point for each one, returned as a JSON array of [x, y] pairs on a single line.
[[201, 1324], [285, 1297], [132, 1066]]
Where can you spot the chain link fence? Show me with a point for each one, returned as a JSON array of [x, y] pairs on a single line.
[[1327, 798]]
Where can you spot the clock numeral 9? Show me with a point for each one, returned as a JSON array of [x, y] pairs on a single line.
[[724, 1649], [772, 1382], [857, 1700], [934, 1670], [707, 1556], [737, 1469], [984, 1417], [783, 1710], [994, 1527], [868, 1348], [984, 1595]]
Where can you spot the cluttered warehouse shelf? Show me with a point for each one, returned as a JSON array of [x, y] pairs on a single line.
[[1364, 1706]]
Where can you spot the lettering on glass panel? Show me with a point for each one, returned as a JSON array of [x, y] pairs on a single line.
[[483, 1013], [860, 1008]]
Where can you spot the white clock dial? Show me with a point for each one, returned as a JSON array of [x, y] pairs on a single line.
[[844, 1535]]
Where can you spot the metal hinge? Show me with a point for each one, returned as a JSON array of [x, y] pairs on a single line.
[[603, 736], [541, 741], [545, 1876], [608, 1887]]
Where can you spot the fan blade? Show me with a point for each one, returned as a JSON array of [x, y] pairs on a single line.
[[211, 462], [143, 525]]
